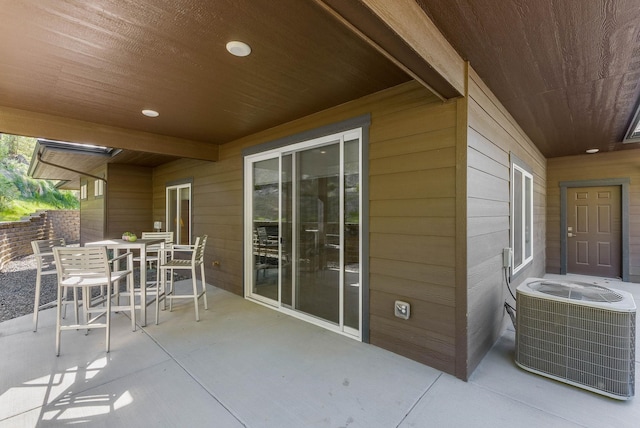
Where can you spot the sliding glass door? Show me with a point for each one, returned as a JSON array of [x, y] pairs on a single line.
[[178, 212], [303, 245], [265, 228]]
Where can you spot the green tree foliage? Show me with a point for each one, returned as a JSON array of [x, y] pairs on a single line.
[[12, 145], [17, 188], [8, 193]]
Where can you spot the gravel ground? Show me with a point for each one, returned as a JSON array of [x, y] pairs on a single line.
[[18, 285], [17, 288]]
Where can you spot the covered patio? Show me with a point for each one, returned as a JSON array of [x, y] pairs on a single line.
[[453, 133], [246, 365]]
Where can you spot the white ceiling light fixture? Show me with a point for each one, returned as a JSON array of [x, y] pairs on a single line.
[[237, 48], [150, 113], [591, 151]]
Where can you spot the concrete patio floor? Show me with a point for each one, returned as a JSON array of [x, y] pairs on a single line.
[[244, 365]]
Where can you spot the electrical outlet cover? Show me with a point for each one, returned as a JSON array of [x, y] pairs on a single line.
[[402, 309]]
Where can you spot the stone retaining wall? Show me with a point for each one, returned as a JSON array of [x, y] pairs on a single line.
[[16, 236]]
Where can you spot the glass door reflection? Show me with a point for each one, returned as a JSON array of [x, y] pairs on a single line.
[[303, 230], [266, 215], [317, 223]]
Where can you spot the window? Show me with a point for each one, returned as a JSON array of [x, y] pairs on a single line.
[[83, 190], [521, 214], [98, 188]]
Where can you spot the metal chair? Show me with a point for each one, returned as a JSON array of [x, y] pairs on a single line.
[[85, 268], [267, 248], [169, 266], [153, 250], [43, 252]]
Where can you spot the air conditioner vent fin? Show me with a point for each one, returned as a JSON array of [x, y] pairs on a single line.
[[583, 342]]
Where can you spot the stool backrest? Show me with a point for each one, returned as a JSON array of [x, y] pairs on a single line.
[[167, 236], [85, 262], [43, 250], [198, 253]]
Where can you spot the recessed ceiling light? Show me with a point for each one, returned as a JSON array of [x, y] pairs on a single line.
[[150, 113], [238, 48], [593, 150]]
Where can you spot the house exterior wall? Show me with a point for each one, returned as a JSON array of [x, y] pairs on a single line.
[[412, 232], [129, 200], [126, 205], [216, 211], [611, 165], [492, 135], [412, 197], [92, 210], [439, 215]]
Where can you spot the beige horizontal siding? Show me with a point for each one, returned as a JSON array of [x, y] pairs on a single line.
[[492, 136], [412, 206]]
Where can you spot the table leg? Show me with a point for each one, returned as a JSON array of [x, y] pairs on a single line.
[[143, 287]]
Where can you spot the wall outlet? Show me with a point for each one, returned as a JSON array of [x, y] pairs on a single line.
[[402, 310]]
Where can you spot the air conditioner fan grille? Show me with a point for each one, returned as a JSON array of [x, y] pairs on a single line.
[[579, 344]]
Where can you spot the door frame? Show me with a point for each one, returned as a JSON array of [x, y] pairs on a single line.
[[248, 228], [364, 123], [177, 185], [624, 212]]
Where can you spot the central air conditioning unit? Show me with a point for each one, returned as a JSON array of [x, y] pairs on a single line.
[[578, 333]]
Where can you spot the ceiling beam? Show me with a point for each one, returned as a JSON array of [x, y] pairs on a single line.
[[403, 32], [40, 125]]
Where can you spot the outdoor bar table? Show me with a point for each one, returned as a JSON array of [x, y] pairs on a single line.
[[141, 245]]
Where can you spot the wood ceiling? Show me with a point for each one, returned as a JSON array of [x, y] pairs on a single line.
[[105, 61], [567, 70]]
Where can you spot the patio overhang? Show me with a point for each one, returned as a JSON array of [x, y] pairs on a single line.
[[66, 162], [81, 72], [403, 33], [32, 124]]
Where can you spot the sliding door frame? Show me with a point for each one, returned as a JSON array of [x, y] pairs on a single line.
[[288, 146]]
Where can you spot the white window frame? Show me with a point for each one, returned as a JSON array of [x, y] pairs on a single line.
[[83, 191], [98, 188], [518, 168]]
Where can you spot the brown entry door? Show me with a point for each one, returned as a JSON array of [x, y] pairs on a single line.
[[594, 231]]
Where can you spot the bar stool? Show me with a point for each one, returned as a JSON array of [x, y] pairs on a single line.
[[85, 268], [169, 266], [43, 252]]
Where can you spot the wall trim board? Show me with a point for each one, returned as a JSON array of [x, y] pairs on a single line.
[[522, 164], [364, 232], [188, 180], [624, 183], [461, 240], [362, 121]]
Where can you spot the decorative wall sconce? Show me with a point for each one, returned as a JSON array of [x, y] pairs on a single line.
[[157, 225]]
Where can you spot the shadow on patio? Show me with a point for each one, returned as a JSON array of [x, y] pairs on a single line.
[[245, 365]]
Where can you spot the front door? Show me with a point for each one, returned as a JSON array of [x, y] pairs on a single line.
[[594, 226]]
